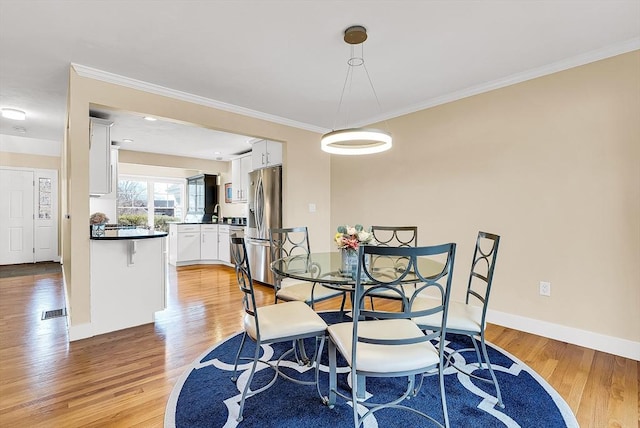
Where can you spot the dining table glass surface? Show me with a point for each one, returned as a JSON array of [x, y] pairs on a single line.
[[326, 268]]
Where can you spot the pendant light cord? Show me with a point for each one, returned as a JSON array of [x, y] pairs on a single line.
[[351, 63]]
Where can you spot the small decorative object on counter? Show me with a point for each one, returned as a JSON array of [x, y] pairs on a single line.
[[348, 240], [98, 221]]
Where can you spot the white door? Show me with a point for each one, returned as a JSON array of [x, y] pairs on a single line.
[[16, 216], [46, 215]]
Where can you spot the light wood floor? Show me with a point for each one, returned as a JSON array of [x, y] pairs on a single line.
[[123, 379]]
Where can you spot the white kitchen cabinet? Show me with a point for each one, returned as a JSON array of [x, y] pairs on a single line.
[[108, 203], [208, 242], [100, 173], [240, 168], [128, 282], [265, 153], [184, 242], [224, 247], [192, 244]]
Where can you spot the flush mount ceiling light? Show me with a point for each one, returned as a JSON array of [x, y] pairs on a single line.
[[11, 113], [127, 140], [356, 141], [150, 119]]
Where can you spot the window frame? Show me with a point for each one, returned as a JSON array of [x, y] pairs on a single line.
[[151, 181]]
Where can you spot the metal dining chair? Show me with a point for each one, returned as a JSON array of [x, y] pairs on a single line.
[[390, 344], [293, 241], [286, 322], [469, 317], [393, 236]]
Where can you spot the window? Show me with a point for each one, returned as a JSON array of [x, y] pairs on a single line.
[[167, 199], [150, 202]]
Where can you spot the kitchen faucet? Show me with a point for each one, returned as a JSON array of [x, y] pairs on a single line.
[[216, 208]]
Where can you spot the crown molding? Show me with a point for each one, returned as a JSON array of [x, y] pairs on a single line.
[[105, 76], [565, 64]]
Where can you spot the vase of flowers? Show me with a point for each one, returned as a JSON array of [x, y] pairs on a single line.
[[348, 239], [98, 221]]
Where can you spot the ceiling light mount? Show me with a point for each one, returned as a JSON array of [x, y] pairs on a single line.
[[355, 35], [356, 141]]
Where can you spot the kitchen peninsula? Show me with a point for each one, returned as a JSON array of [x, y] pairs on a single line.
[[128, 278]]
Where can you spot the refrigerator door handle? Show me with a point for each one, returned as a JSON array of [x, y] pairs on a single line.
[[259, 198]]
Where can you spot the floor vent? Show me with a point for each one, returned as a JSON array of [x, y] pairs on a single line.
[[54, 313]]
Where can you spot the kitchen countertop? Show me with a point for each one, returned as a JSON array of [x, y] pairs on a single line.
[[110, 235]]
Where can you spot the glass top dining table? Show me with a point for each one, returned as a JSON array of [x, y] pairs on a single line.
[[326, 268]]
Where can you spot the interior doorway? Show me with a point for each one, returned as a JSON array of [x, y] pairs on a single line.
[[28, 215]]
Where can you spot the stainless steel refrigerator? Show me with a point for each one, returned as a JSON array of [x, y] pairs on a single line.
[[265, 212]]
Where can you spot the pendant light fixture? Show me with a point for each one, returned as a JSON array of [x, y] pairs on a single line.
[[356, 141]]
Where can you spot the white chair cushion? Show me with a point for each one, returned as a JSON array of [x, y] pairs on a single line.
[[301, 291], [284, 320], [407, 289], [460, 317], [384, 358]]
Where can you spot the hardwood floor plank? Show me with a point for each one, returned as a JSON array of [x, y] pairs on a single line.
[[124, 378]]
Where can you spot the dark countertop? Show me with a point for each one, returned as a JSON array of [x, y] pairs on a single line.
[[110, 235]]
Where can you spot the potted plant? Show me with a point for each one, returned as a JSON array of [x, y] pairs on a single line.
[[97, 222]]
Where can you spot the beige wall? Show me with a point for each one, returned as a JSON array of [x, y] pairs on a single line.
[[21, 160], [552, 165], [301, 178]]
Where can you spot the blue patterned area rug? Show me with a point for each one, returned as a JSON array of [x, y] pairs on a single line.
[[205, 396]]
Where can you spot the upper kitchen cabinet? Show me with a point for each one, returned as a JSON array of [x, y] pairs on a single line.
[[107, 203], [240, 168], [265, 153], [100, 166]]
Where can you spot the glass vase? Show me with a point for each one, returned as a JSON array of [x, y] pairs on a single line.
[[349, 262], [97, 230]]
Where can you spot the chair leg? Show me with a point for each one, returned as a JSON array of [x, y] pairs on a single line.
[[475, 345], [235, 365], [354, 398], [493, 375], [344, 300], [318, 356], [443, 397], [333, 375], [246, 387]]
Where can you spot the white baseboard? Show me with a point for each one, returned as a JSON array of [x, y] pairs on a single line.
[[80, 331], [74, 332], [599, 342]]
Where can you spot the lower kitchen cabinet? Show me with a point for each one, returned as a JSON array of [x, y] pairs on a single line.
[[184, 243], [128, 282], [191, 244], [209, 242], [225, 245]]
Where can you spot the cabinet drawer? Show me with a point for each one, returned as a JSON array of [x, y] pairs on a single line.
[[188, 228], [209, 227]]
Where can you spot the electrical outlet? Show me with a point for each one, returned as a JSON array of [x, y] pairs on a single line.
[[545, 288]]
